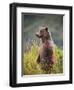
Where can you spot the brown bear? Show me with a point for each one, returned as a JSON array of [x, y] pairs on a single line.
[[46, 57]]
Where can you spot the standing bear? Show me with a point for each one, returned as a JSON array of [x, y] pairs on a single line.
[[46, 57]]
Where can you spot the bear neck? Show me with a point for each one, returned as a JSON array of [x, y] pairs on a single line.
[[45, 40]]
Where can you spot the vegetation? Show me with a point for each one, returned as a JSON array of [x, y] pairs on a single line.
[[31, 67]]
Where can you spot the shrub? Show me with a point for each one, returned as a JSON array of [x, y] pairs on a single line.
[[31, 67]]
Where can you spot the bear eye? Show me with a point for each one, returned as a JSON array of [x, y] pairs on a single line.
[[41, 31]]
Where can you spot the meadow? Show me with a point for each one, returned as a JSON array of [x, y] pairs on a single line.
[[31, 67]]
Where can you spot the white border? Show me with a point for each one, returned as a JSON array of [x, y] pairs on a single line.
[[43, 78]]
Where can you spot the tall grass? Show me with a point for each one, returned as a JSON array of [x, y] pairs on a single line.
[[31, 67]]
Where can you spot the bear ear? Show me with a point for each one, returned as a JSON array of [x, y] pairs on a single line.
[[46, 29]]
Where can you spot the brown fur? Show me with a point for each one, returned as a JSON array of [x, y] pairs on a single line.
[[46, 50]]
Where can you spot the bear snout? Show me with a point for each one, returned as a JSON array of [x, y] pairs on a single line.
[[38, 35]]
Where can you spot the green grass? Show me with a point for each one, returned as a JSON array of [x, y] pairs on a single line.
[[31, 67]]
